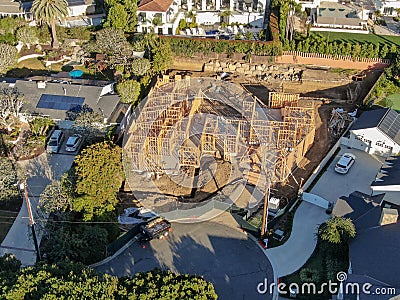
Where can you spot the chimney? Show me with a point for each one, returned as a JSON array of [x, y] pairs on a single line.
[[41, 85], [388, 216]]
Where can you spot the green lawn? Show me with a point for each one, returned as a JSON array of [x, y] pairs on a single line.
[[327, 260], [394, 101], [359, 37]]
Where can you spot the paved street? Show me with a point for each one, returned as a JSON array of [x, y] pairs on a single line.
[[223, 255], [40, 171]]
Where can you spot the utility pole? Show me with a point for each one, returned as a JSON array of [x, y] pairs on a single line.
[[23, 187], [265, 212]]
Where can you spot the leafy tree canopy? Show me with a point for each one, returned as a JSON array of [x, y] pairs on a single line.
[[129, 91], [140, 66], [99, 177], [8, 58], [109, 40], [337, 230], [121, 14], [67, 280], [8, 180], [117, 17], [27, 35]]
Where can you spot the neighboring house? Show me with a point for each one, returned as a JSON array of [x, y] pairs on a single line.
[[375, 251], [388, 8], [163, 10], [9, 8], [334, 16], [388, 181], [376, 132], [170, 12], [55, 97], [81, 7]]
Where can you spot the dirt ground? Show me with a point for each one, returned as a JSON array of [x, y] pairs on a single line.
[[333, 84], [211, 177], [322, 143]]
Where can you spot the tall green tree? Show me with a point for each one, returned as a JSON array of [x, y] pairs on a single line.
[[8, 181], [27, 35], [129, 91], [100, 175], [337, 230], [121, 14], [56, 197], [140, 67], [117, 17], [8, 58], [162, 57], [109, 40], [50, 11]]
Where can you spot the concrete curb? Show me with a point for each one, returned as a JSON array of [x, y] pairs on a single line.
[[107, 259]]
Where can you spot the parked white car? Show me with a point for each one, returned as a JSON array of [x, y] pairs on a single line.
[[345, 162], [73, 143]]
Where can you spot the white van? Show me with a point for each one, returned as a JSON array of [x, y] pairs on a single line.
[[55, 141]]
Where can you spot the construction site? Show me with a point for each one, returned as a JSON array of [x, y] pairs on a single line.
[[195, 146]]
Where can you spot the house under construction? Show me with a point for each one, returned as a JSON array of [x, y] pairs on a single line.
[[180, 122]]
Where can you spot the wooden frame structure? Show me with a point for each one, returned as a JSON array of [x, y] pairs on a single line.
[[181, 121]]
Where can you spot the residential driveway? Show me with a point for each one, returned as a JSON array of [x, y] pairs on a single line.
[[223, 255], [39, 171], [292, 255], [332, 185]]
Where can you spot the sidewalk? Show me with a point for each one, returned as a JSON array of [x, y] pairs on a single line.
[[40, 171]]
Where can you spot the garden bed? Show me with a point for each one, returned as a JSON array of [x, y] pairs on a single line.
[[324, 264]]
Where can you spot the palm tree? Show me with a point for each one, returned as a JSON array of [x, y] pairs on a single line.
[[49, 11], [225, 15], [191, 15]]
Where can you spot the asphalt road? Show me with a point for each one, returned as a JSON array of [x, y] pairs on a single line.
[[223, 255]]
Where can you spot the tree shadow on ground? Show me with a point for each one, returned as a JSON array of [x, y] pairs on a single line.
[[223, 255]]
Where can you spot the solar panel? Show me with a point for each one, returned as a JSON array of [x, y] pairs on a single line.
[[391, 124], [59, 102]]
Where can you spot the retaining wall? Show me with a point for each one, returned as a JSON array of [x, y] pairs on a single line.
[[343, 62]]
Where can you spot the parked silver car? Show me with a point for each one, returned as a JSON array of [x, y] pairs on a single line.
[[73, 143], [345, 162]]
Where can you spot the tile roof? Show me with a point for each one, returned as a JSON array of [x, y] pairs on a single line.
[[154, 5]]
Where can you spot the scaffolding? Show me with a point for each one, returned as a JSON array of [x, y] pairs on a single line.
[[183, 120]]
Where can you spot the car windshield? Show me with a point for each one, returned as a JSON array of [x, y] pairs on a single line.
[[341, 166], [53, 143]]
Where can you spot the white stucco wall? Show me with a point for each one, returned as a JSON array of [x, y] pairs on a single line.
[[368, 139], [81, 10]]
